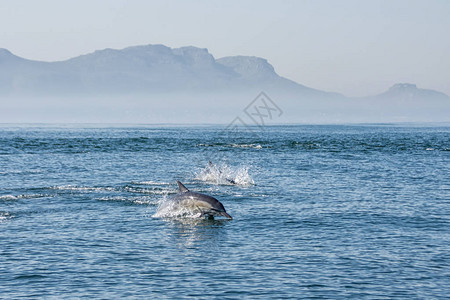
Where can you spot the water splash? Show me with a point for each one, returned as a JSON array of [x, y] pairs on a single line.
[[225, 175], [170, 208]]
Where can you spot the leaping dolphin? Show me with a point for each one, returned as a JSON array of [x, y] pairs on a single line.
[[206, 205]]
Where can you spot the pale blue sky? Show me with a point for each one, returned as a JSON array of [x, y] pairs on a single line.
[[352, 47]]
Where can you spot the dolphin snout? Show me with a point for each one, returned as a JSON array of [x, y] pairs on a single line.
[[226, 215]]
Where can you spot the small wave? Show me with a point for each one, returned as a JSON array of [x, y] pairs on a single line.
[[225, 175], [22, 196], [4, 216], [153, 191], [305, 144], [135, 200], [234, 145], [83, 188], [21, 172], [127, 188], [29, 276], [150, 183], [211, 145], [255, 146]]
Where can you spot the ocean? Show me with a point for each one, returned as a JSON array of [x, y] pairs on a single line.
[[319, 212]]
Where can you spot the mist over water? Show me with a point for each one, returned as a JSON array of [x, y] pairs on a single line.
[[318, 212], [219, 107]]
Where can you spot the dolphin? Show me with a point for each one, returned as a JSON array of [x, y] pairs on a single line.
[[206, 205]]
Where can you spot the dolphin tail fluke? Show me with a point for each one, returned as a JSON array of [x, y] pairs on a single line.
[[182, 188]]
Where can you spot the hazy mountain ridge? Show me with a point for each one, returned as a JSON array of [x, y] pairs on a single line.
[[158, 68], [142, 70], [155, 83]]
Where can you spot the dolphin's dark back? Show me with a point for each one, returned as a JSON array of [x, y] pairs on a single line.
[[200, 197], [211, 200]]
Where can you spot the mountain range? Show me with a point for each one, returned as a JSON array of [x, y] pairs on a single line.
[[146, 71], [140, 70]]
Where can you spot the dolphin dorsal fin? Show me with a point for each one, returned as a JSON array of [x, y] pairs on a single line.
[[182, 188]]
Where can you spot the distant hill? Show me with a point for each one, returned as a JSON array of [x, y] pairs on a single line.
[[406, 92]]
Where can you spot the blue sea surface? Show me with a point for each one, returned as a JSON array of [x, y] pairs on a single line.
[[331, 211]]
